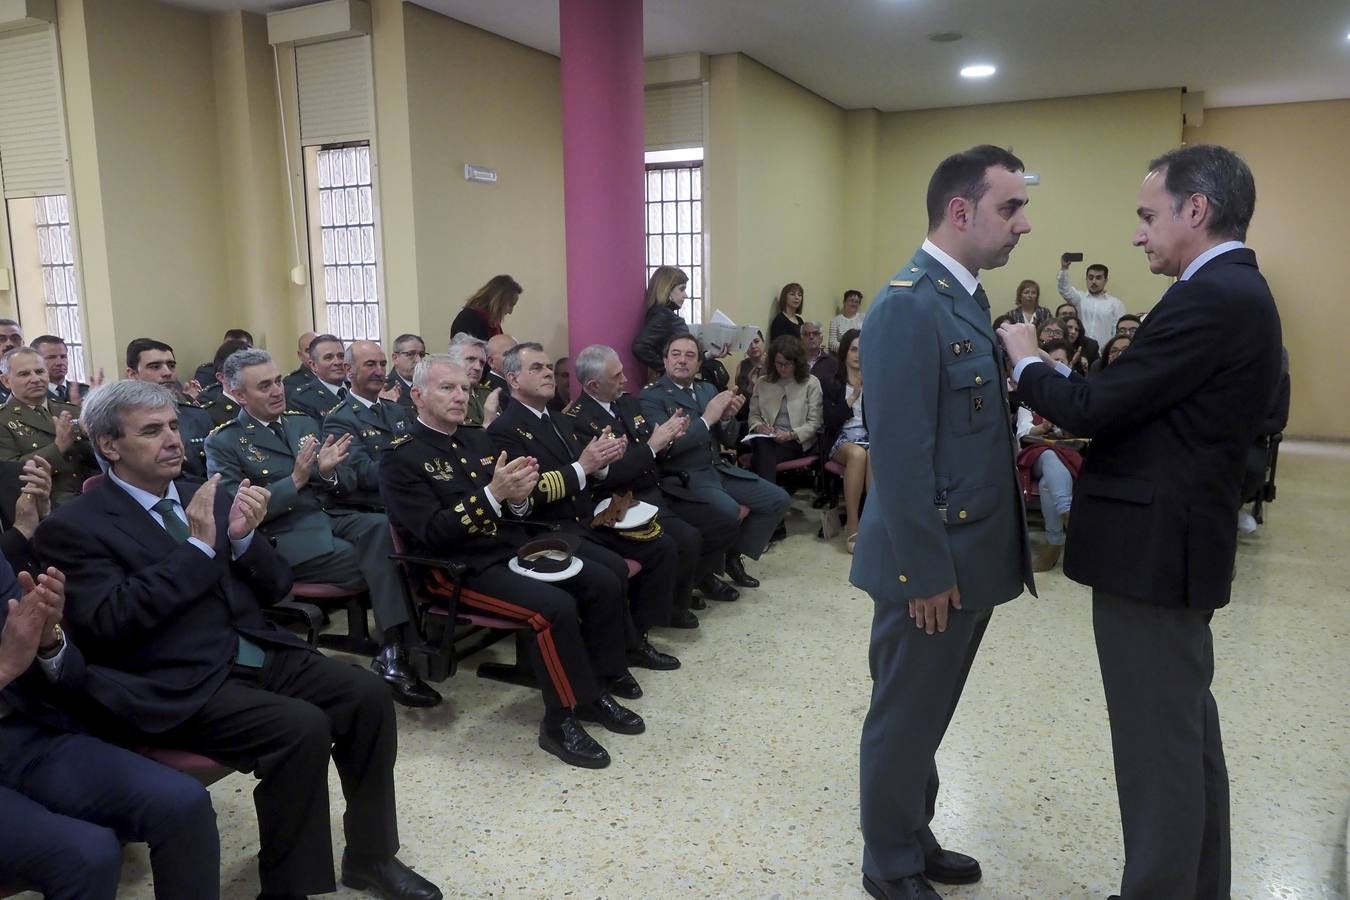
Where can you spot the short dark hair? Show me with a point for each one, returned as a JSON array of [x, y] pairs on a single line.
[[1047, 323], [681, 336], [322, 339], [223, 353], [46, 339], [10, 322], [239, 334], [791, 347], [853, 292], [962, 175], [141, 345], [1106, 349], [1130, 317], [1052, 346], [845, 342], [1072, 306], [1220, 176], [1098, 267]]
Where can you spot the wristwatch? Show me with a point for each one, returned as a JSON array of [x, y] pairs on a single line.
[[49, 652]]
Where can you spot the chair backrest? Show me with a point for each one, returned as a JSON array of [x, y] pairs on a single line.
[[91, 482]]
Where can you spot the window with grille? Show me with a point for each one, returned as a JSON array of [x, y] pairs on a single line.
[[60, 285], [675, 226], [343, 255]]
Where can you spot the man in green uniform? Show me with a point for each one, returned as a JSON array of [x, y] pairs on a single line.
[[32, 424], [372, 418]]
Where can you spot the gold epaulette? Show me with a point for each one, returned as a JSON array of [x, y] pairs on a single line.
[[225, 424]]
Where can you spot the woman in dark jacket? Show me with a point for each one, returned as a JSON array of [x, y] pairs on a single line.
[[791, 301], [483, 312], [665, 296]]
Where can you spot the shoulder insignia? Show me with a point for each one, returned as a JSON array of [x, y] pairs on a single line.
[[904, 284], [223, 425], [399, 440], [914, 268], [942, 282], [649, 385], [295, 412], [574, 410]]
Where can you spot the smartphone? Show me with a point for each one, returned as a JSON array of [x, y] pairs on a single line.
[[1072, 257]]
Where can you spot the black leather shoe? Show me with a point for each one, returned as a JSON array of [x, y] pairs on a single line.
[[950, 867], [568, 741], [607, 711], [736, 572], [683, 618], [625, 686], [407, 687], [697, 602], [715, 588], [910, 887], [779, 533], [645, 656], [388, 879]]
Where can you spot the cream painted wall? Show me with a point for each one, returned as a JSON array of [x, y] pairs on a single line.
[[479, 98], [1090, 152], [781, 166], [1297, 151], [141, 100]]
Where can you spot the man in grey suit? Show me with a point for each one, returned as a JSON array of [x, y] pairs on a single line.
[[943, 538]]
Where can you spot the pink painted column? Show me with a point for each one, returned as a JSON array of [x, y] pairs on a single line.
[[603, 175]]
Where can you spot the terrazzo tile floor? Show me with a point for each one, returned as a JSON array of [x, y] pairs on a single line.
[[745, 784]]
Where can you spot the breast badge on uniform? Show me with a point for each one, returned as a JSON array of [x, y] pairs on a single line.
[[439, 469], [525, 434], [255, 453], [957, 348], [969, 345]]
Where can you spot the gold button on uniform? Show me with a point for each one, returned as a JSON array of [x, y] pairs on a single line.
[[904, 579], [979, 379], [961, 514]]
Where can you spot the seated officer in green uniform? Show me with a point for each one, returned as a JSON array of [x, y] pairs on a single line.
[[219, 405], [153, 361], [301, 374], [408, 352], [328, 387], [372, 418], [484, 397], [33, 424], [321, 539], [943, 538]]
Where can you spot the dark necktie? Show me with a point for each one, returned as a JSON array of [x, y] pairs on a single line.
[[280, 433], [63, 393], [249, 654], [981, 297], [341, 394], [567, 451]]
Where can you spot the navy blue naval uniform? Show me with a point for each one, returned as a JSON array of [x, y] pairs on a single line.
[[944, 510]]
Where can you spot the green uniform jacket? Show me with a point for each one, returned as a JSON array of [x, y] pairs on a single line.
[[374, 429], [297, 518], [944, 508], [26, 431]]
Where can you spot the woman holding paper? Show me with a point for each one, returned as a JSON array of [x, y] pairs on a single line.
[[665, 295], [786, 408]]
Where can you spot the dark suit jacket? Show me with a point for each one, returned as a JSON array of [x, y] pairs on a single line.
[[1171, 421], [559, 497], [636, 469], [158, 621]]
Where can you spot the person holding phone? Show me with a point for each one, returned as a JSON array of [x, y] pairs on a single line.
[[1098, 309]]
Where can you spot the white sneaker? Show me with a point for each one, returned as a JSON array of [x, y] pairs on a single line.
[[1246, 522]]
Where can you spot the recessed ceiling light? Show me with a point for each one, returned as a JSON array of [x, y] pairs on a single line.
[[978, 71], [945, 37]]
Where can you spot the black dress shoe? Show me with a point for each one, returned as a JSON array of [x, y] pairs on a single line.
[[779, 533], [607, 711], [736, 572], [683, 618], [407, 687], [388, 879], [910, 887], [950, 867], [645, 656], [625, 686], [697, 602], [567, 740], [715, 588]]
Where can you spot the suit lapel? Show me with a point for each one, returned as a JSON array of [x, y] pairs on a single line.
[[133, 520], [36, 420]]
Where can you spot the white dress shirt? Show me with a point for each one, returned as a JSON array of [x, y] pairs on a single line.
[[1209, 254], [148, 500], [581, 473], [969, 280], [1099, 313]]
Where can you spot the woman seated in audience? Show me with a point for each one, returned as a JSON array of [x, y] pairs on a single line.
[[483, 313], [789, 312], [850, 318], [749, 372], [1028, 308], [1054, 467], [844, 419], [1050, 330], [666, 291], [787, 408], [1110, 353], [1083, 350]]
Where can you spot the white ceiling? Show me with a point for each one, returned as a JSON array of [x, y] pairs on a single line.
[[876, 53]]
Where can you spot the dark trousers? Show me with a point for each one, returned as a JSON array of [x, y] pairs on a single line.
[[361, 560], [68, 802], [282, 723], [716, 530], [917, 679], [652, 592], [580, 627], [1157, 664], [766, 454]]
